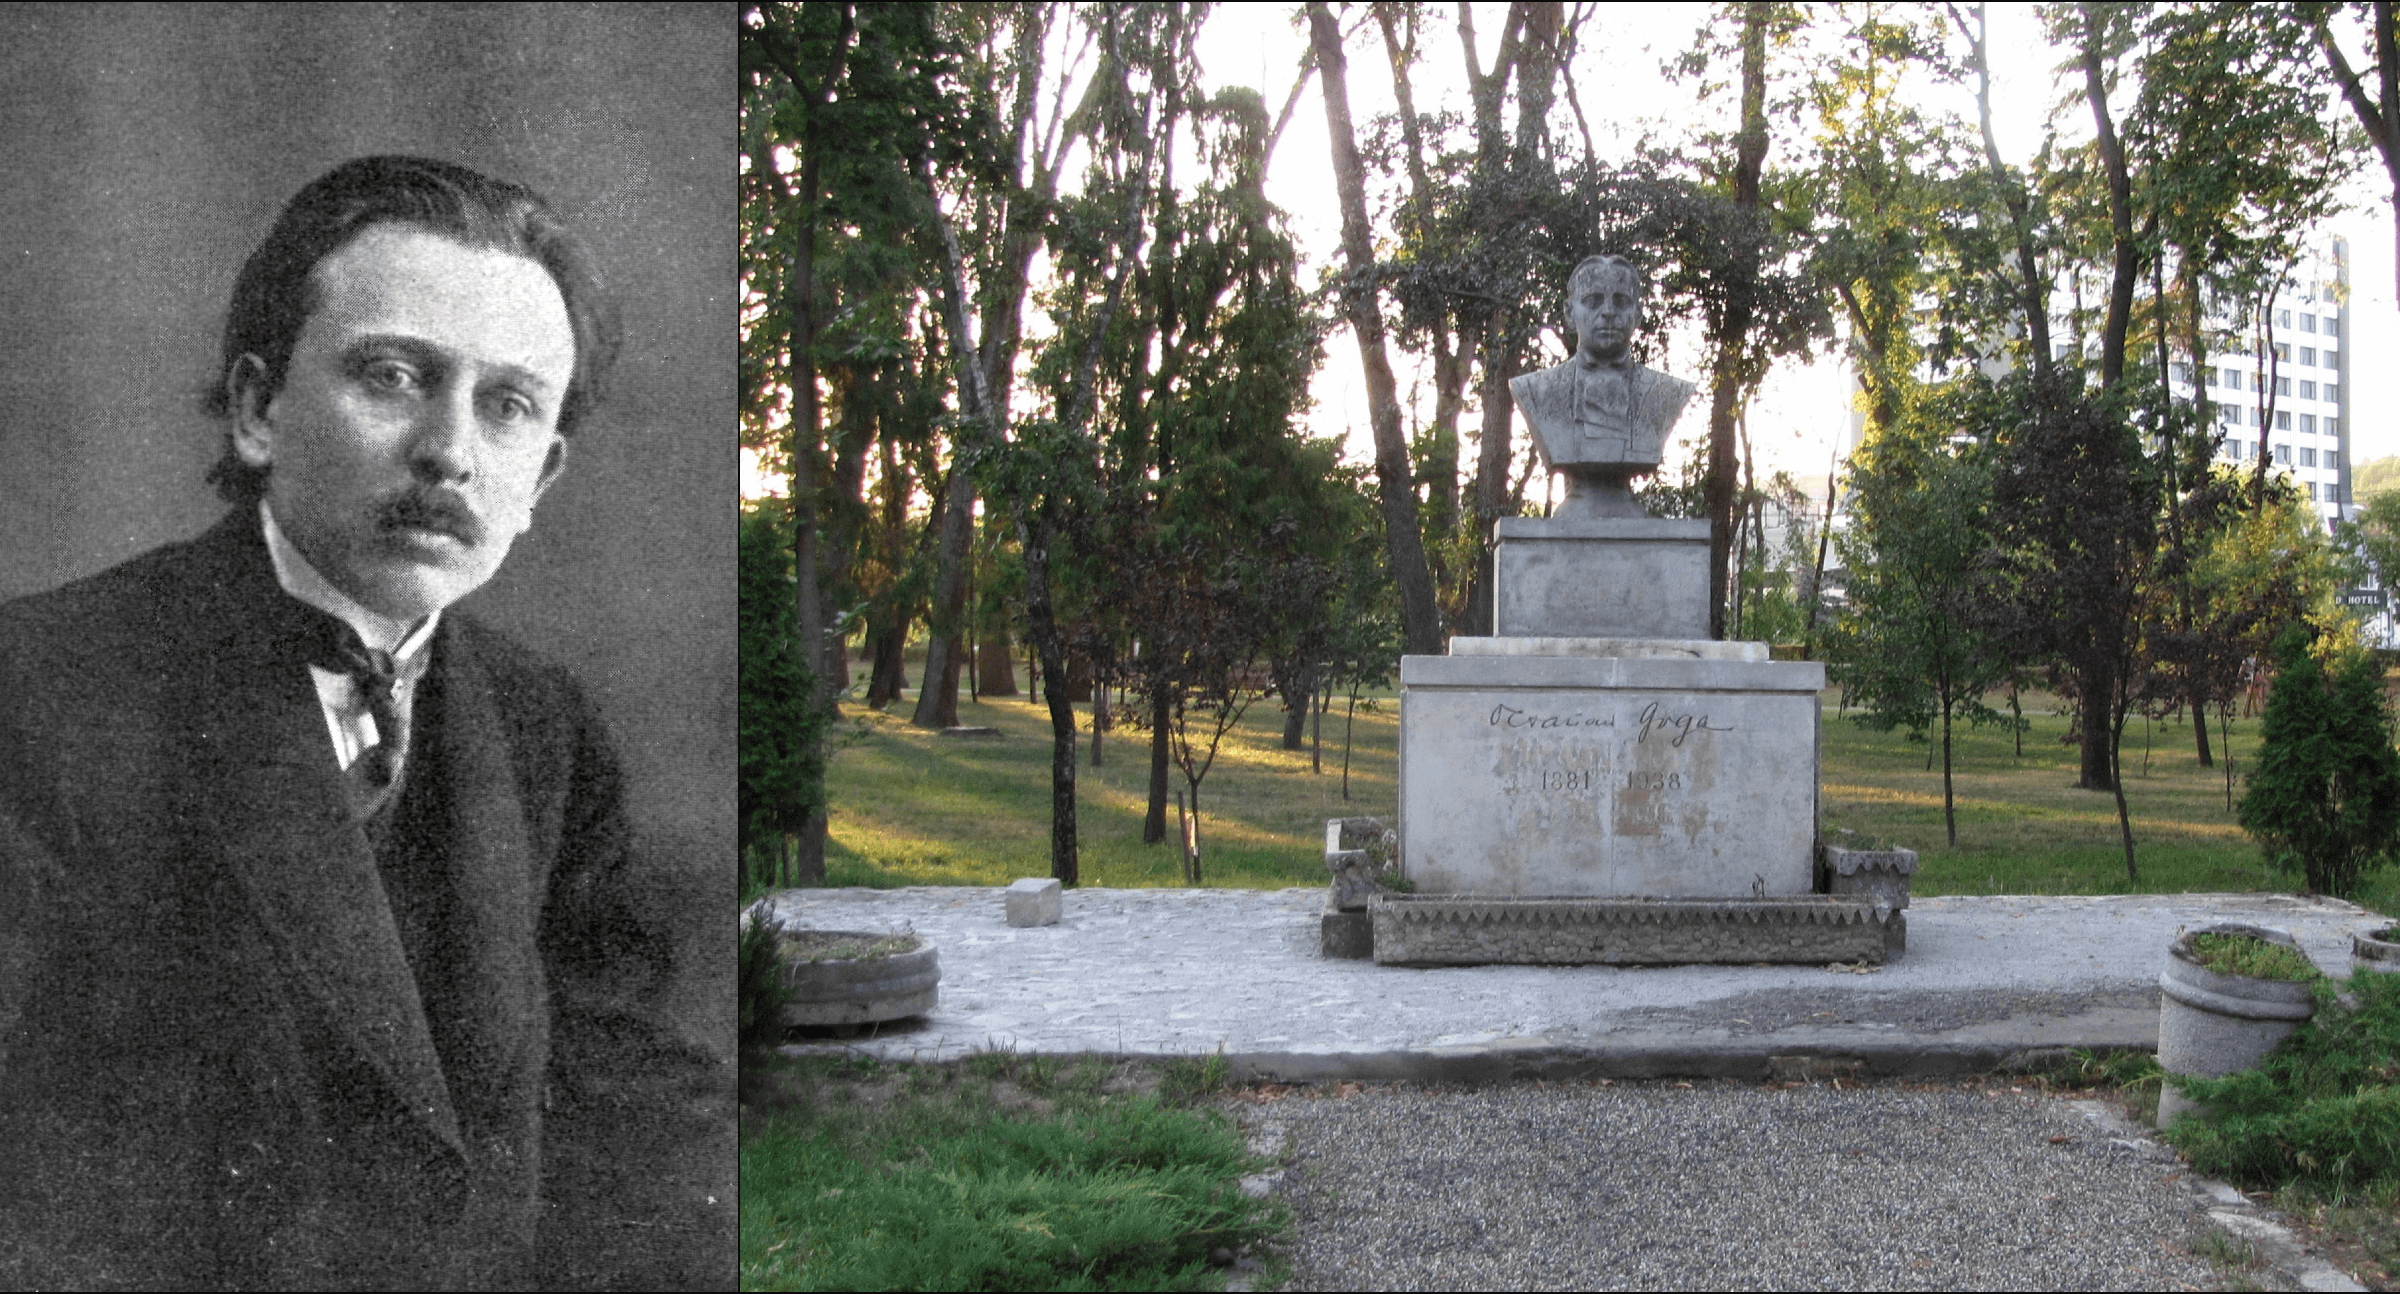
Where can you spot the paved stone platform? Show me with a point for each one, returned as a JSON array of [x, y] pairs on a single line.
[[1985, 982]]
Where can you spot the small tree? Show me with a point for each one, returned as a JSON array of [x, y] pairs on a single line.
[[782, 722], [2325, 796]]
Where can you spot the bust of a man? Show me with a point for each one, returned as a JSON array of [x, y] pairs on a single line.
[[1600, 417]]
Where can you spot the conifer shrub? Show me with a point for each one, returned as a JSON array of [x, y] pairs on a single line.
[[2324, 795], [761, 988]]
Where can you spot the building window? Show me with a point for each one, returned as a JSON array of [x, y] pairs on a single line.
[[2283, 318], [2283, 351], [2333, 326], [2308, 323], [2308, 424], [2258, 381], [2312, 491], [2308, 390], [2308, 457], [2283, 420], [2308, 356], [2333, 426], [2283, 386], [2283, 454], [2233, 378], [2333, 393], [2333, 359], [2228, 415]]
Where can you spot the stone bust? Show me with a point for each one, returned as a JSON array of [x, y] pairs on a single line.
[[1600, 417]]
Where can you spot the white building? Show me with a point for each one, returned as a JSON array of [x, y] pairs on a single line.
[[2307, 410]]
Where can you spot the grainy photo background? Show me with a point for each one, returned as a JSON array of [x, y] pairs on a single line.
[[148, 150]]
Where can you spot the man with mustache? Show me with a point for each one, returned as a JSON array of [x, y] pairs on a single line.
[[318, 962]]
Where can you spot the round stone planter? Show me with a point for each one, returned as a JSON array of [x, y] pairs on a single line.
[[2211, 1025], [2376, 948], [845, 991]]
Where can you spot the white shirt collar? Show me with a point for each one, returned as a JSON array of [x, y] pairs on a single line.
[[301, 580]]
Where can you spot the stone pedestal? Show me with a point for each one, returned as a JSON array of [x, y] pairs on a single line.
[[1612, 577], [1670, 774]]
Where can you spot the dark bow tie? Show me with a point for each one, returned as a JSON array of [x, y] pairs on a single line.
[[379, 679]]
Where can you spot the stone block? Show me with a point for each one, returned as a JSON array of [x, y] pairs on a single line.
[[1879, 875], [1348, 935], [1599, 578], [1608, 776], [1465, 930], [1034, 901], [1358, 851]]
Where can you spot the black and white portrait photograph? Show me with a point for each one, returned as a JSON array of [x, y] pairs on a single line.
[[367, 664]]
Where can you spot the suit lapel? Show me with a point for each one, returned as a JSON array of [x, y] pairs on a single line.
[[483, 829], [277, 811]]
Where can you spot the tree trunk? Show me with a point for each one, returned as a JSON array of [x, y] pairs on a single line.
[[1491, 472], [1296, 685], [1064, 860], [1099, 721], [2199, 703], [2125, 269], [997, 669], [1316, 755], [890, 676], [945, 714], [2115, 728], [1732, 381], [939, 697], [1154, 821], [1949, 796], [1419, 616], [2098, 693]]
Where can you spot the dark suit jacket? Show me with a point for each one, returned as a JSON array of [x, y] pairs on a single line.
[[217, 1066]]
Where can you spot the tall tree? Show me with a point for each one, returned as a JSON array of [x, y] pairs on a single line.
[[2378, 112], [1363, 311]]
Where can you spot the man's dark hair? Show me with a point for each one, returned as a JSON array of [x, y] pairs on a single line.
[[277, 289]]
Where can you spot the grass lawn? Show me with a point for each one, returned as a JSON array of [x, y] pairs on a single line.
[[914, 808], [2025, 828], [996, 1172]]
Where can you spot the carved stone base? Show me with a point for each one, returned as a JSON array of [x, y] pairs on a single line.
[[1875, 875], [1465, 930]]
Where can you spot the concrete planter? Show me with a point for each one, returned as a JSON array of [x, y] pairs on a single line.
[[2211, 1025], [862, 991], [2376, 948], [1878, 875]]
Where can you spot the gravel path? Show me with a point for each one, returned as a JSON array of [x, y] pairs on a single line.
[[1727, 1185]]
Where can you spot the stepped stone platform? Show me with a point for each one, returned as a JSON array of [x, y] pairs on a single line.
[[1471, 930], [1177, 972]]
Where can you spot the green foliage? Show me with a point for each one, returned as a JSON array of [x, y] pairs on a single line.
[[2321, 1111], [936, 1185], [1907, 651], [760, 985], [783, 724], [2324, 796], [1186, 1081], [2373, 535], [2251, 956], [2375, 476]]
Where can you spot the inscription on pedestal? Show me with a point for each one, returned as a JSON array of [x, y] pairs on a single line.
[[1608, 791]]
